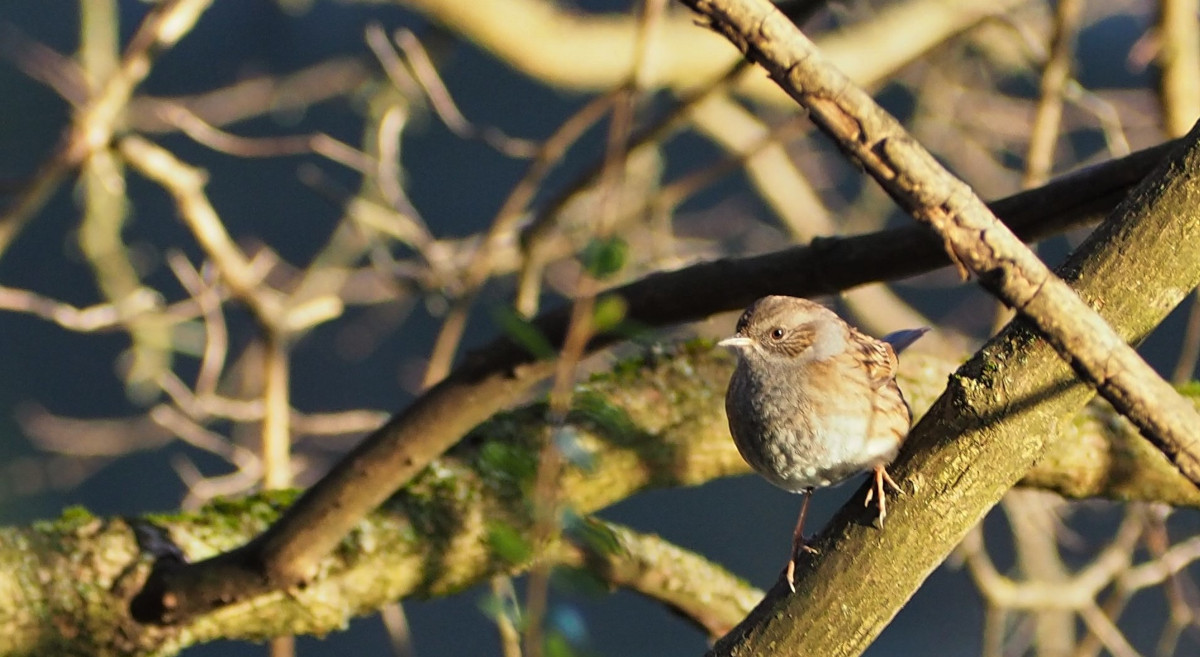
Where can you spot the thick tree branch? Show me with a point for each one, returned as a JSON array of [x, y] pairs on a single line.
[[499, 374], [570, 50], [707, 595], [440, 534]]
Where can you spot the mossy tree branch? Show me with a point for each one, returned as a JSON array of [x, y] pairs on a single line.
[[652, 421]]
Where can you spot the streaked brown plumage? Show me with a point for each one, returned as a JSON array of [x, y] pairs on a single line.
[[813, 401]]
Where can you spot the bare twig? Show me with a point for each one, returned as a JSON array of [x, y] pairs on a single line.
[[105, 437], [1104, 111], [1179, 58], [1075, 593], [678, 190], [276, 427], [541, 225], [99, 317], [216, 335], [186, 184], [339, 423], [1109, 634], [388, 174], [256, 96], [377, 40], [443, 103], [505, 599], [219, 140], [1045, 132], [1189, 347], [93, 125], [44, 64], [399, 633]]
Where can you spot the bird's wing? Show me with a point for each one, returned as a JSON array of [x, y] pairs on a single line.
[[878, 358]]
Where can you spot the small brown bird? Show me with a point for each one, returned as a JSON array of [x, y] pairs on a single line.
[[813, 401]]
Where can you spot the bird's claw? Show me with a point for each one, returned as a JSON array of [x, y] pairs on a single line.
[[876, 492], [790, 575]]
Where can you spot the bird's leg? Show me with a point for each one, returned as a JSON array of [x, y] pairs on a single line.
[[798, 541], [881, 477]]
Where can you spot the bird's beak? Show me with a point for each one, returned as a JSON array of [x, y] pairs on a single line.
[[735, 342]]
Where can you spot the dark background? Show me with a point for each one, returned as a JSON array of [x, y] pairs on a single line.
[[457, 186]]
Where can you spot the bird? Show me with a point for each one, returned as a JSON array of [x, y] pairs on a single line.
[[813, 401]]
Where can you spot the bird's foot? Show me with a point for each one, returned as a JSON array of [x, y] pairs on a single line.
[[797, 548], [876, 492]]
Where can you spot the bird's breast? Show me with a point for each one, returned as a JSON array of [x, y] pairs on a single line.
[[798, 436]]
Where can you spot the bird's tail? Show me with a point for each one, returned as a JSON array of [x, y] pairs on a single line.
[[902, 339]]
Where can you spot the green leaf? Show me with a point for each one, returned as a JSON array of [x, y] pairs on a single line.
[[593, 535], [508, 543], [597, 409], [523, 332], [579, 582], [604, 256], [508, 462], [558, 646], [609, 312]]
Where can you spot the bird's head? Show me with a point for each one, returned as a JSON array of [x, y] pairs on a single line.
[[791, 329]]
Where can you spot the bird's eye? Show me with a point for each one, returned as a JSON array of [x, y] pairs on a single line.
[[777, 334]]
